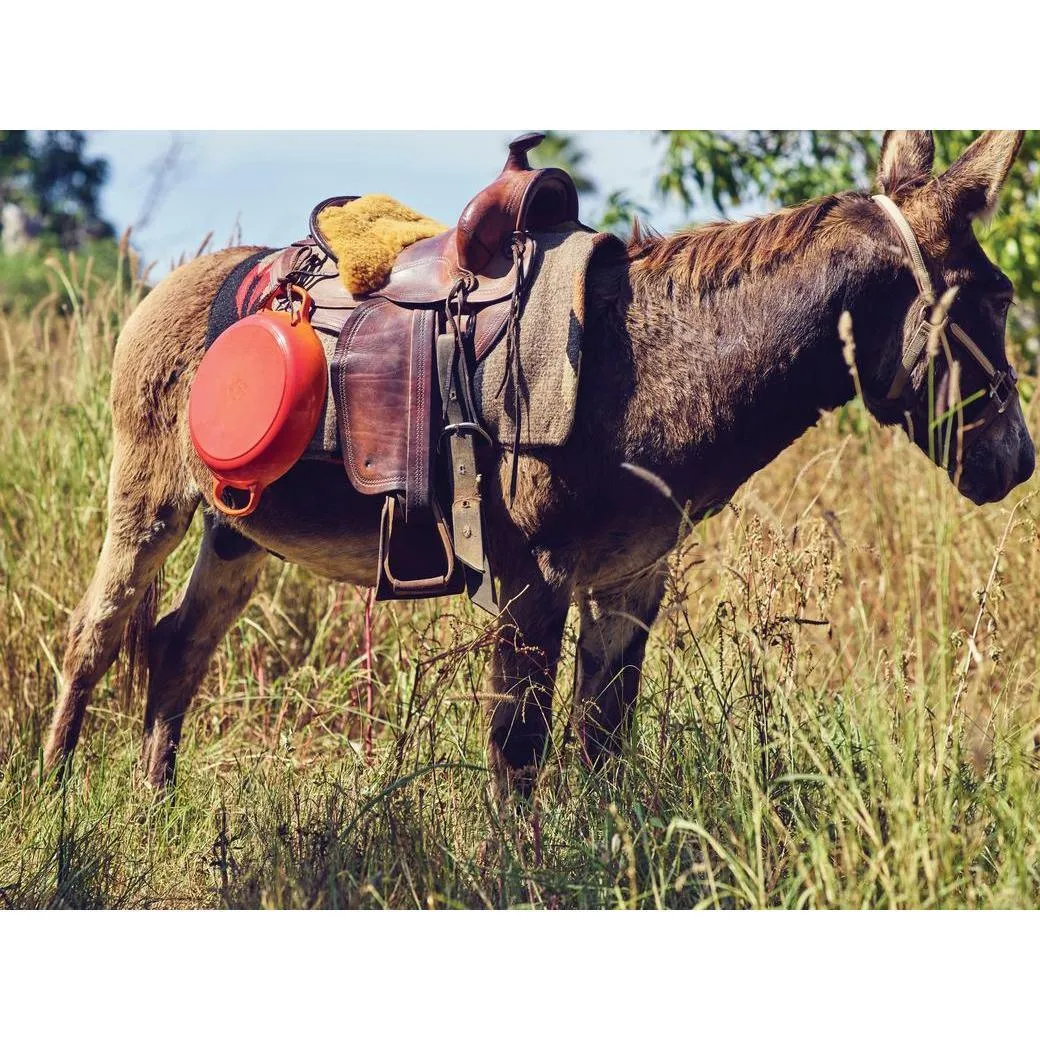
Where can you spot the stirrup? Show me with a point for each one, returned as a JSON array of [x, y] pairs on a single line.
[[411, 586]]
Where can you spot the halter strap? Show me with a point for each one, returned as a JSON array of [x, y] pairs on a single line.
[[913, 250], [926, 299]]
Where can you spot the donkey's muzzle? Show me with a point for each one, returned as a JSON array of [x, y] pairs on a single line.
[[989, 475]]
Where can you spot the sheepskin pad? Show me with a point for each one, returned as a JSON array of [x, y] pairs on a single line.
[[368, 234]]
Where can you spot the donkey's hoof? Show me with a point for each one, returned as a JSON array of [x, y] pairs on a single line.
[[510, 783], [158, 763]]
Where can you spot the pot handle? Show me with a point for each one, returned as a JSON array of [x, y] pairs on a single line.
[[220, 486], [298, 299]]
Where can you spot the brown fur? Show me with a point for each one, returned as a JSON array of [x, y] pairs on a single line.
[[713, 256], [137, 640], [707, 354], [974, 180], [906, 158]]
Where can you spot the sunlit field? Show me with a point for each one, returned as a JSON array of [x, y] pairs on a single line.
[[837, 710]]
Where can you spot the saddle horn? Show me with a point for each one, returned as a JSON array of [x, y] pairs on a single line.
[[519, 199]]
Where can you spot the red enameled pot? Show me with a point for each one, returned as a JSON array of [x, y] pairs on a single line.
[[257, 398]]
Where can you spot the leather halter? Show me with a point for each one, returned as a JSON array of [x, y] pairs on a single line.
[[1001, 384]]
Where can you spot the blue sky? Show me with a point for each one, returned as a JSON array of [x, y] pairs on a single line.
[[268, 181]]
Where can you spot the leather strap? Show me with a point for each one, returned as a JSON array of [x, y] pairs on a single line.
[[466, 526], [418, 489], [463, 476], [913, 250]]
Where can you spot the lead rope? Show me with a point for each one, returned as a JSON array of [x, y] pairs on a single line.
[[369, 693]]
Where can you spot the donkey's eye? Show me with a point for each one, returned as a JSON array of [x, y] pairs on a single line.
[[1003, 302]]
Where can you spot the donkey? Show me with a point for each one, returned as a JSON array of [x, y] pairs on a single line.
[[708, 352]]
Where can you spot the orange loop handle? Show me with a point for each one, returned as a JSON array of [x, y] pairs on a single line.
[[220, 486], [299, 300]]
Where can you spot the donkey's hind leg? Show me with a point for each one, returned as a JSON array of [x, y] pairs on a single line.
[[222, 581], [145, 524], [611, 644]]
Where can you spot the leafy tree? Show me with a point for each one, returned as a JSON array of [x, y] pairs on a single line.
[[53, 179], [54, 182], [14, 163], [620, 211], [66, 186], [734, 171], [563, 151]]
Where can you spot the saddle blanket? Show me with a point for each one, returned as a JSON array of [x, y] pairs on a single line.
[[551, 331]]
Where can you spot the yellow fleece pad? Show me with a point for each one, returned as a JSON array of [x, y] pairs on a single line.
[[367, 235]]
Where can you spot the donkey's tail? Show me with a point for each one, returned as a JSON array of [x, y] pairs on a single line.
[[136, 642]]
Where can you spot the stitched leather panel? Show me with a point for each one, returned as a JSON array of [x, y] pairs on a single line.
[[489, 324], [372, 384], [491, 218]]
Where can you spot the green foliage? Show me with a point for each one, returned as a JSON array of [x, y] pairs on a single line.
[[66, 185], [782, 167], [25, 280], [619, 213], [564, 152], [30, 276], [730, 171], [52, 179], [14, 162]]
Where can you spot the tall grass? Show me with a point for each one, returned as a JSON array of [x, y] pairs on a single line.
[[837, 709]]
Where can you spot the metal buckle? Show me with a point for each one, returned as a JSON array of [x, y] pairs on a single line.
[[466, 429], [1002, 388]]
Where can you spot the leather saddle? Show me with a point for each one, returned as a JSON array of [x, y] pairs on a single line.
[[402, 365]]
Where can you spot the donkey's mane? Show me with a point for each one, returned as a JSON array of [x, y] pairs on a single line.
[[714, 255]]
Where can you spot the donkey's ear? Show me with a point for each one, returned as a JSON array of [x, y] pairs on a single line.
[[906, 155], [974, 181]]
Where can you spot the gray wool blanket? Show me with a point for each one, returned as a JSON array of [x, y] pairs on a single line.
[[552, 332]]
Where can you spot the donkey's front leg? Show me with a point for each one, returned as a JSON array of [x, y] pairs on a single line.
[[615, 624], [527, 651]]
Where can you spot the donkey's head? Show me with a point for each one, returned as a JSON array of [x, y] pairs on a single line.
[[943, 370]]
